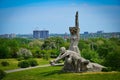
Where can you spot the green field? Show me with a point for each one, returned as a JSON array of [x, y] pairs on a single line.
[[54, 73], [14, 63]]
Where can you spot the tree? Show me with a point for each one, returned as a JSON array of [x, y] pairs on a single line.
[[113, 59], [35, 43], [104, 49], [14, 47], [23, 52], [90, 55], [53, 43], [4, 52]]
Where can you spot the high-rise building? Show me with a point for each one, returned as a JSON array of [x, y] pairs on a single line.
[[99, 32], [40, 34], [86, 32], [36, 34]]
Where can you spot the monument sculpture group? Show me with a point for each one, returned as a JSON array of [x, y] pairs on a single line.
[[74, 62]]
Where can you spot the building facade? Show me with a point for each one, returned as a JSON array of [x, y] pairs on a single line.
[[42, 34], [12, 35]]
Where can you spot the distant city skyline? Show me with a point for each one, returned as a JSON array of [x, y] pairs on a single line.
[[23, 16]]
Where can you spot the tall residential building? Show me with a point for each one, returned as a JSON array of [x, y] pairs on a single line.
[[40, 34]]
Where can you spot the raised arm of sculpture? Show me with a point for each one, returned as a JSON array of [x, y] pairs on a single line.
[[77, 24], [76, 20]]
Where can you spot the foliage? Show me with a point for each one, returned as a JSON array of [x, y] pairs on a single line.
[[83, 45], [2, 74], [108, 69], [4, 63], [24, 53], [33, 62], [90, 55], [9, 47], [98, 50], [27, 63], [113, 59], [20, 58], [54, 53], [46, 54], [4, 52], [53, 43], [23, 64], [35, 43]]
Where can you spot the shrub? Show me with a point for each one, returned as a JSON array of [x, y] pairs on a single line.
[[4, 63], [20, 58], [23, 64], [2, 74], [107, 69], [33, 62]]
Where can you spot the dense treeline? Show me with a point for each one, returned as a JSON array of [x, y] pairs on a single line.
[[100, 50]]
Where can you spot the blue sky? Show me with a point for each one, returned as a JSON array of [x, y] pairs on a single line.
[[24, 16]]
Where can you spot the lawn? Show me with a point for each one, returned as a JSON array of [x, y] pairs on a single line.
[[14, 63], [54, 73]]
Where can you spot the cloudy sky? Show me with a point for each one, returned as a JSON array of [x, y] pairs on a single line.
[[24, 16]]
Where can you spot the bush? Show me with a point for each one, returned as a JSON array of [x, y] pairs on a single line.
[[20, 58], [4, 63], [23, 64], [2, 74], [107, 69], [33, 62]]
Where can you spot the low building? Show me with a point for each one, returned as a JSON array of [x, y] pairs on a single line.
[[8, 35]]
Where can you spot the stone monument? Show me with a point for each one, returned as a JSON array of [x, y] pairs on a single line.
[[73, 60]]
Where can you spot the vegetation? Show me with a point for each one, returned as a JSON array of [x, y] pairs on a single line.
[[2, 74], [24, 64], [103, 51], [24, 53], [4, 63], [54, 73], [13, 63], [33, 62], [100, 50]]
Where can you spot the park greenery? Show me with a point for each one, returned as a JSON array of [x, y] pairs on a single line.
[[55, 73], [99, 50]]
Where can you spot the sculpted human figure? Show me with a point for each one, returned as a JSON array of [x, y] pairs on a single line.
[[74, 38], [71, 57]]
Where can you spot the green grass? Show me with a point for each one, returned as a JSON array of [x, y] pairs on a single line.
[[14, 63], [54, 73]]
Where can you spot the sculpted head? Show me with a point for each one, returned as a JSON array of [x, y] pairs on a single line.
[[62, 49]]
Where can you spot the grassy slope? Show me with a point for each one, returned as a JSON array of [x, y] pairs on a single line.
[[54, 73], [14, 62]]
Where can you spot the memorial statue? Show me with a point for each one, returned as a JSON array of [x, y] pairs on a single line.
[[73, 60]]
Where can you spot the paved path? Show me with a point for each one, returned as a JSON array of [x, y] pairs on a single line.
[[21, 69]]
